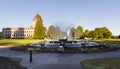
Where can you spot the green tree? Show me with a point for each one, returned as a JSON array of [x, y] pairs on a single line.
[[99, 33], [92, 34], [79, 32], [86, 33], [106, 32], [39, 31], [72, 30]]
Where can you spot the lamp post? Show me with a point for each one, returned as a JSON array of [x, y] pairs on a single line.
[[30, 59]]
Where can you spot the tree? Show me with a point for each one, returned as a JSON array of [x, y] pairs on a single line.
[[103, 32], [99, 33], [92, 34], [1, 35], [39, 31], [58, 33], [79, 32], [72, 33], [53, 32], [86, 33], [106, 32]]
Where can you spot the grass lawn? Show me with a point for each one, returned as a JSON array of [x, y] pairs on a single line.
[[104, 63], [14, 42]]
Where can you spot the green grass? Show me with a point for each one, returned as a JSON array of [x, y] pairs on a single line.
[[104, 63], [14, 42]]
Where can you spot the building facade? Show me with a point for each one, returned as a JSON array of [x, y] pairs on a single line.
[[19, 32]]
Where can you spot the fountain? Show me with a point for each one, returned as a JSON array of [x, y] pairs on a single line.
[[64, 43]]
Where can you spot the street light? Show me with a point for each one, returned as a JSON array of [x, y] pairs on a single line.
[[30, 59]]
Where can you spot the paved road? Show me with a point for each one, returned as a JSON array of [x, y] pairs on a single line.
[[55, 60]]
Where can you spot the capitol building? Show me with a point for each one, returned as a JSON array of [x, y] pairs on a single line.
[[21, 32]]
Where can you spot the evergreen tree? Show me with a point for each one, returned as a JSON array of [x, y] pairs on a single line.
[[39, 31]]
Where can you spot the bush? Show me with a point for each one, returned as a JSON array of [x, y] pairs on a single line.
[[37, 49], [95, 49], [82, 50]]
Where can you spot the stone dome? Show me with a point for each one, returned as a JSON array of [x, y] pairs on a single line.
[[36, 17]]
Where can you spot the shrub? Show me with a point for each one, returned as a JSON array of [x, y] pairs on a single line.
[[37, 49], [82, 50], [95, 49]]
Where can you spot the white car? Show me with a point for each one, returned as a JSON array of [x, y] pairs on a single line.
[[35, 44]]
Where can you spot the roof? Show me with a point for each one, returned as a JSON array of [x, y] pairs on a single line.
[[37, 16]]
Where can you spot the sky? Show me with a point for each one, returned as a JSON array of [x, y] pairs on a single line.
[[64, 13]]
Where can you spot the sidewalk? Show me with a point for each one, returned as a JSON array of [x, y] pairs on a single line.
[[55, 60]]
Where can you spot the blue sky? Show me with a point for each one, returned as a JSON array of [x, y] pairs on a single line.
[[65, 13]]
